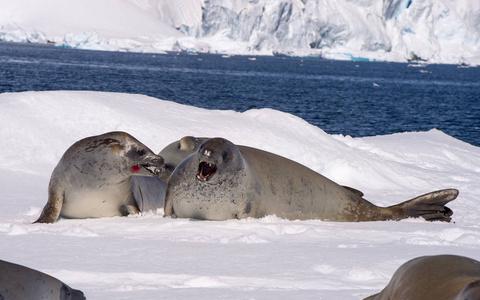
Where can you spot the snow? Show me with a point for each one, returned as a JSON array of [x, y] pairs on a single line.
[[151, 257], [438, 31]]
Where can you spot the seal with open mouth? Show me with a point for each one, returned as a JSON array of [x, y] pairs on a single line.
[[439, 277], [92, 179], [223, 181]]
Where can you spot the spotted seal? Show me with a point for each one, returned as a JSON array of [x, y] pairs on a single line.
[[92, 179], [223, 181], [439, 277], [18, 283]]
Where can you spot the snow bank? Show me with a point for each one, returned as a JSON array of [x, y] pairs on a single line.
[[270, 258], [440, 31]]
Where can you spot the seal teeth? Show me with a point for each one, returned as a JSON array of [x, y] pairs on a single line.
[[206, 170], [152, 169]]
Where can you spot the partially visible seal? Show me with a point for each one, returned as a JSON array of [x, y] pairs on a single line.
[[223, 181], [177, 151], [19, 283], [92, 178], [440, 277]]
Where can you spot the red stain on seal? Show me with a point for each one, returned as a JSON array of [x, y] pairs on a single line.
[[135, 168]]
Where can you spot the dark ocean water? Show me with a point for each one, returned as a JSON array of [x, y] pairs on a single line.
[[351, 98]]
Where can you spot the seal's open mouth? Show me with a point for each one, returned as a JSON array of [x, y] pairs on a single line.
[[152, 169], [206, 170]]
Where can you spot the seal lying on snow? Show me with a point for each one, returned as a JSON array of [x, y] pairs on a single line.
[[223, 181], [92, 178], [19, 283], [440, 277]]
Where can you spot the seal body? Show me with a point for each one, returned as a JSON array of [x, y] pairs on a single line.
[[223, 181], [440, 277], [92, 179], [148, 192], [19, 283]]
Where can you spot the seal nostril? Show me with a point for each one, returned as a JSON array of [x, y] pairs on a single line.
[[207, 153]]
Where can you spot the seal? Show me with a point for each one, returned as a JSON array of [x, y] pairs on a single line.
[[223, 181], [439, 277], [92, 179], [177, 151], [18, 282]]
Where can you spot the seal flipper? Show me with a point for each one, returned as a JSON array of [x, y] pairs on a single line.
[[168, 209], [430, 206], [51, 211], [129, 209]]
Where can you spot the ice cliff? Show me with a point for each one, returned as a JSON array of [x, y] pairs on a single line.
[[446, 31]]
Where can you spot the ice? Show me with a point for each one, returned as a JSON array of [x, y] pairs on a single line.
[[436, 31], [148, 256]]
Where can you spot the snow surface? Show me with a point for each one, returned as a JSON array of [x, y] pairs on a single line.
[[151, 257], [441, 31]]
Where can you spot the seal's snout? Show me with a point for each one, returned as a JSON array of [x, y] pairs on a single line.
[[154, 164], [152, 169], [207, 152], [206, 170]]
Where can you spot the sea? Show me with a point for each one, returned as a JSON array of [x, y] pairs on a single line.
[[341, 97]]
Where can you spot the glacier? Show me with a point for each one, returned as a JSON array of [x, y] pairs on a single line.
[[435, 31]]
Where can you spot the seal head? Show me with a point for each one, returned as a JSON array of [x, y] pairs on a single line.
[[218, 160], [213, 183]]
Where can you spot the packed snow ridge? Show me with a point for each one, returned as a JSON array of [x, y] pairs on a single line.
[[436, 31]]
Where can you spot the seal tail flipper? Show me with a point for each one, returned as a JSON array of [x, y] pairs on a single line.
[[51, 211], [430, 206]]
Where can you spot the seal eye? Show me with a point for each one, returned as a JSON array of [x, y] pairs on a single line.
[[141, 152], [225, 156]]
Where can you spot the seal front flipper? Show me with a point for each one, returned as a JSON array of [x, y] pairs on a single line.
[[127, 209], [430, 206], [51, 211], [168, 209]]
